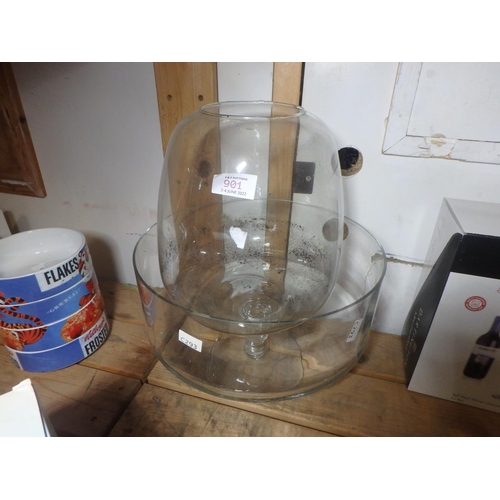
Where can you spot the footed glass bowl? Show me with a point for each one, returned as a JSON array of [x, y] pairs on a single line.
[[230, 339]]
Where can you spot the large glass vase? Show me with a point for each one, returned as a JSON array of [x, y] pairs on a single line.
[[250, 218]]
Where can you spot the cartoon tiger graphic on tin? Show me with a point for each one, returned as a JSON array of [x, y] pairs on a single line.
[[28, 330]]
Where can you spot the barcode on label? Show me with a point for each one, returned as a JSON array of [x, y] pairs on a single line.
[[354, 330], [190, 341], [236, 185]]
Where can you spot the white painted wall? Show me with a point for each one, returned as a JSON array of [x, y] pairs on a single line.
[[396, 198], [248, 81], [96, 132]]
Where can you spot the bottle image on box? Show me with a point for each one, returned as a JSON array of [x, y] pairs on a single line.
[[487, 347]]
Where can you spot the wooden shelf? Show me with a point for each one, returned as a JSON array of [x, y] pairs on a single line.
[[121, 390]]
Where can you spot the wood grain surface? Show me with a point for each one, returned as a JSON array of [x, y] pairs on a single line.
[[117, 391], [359, 405], [19, 169], [160, 412], [78, 401]]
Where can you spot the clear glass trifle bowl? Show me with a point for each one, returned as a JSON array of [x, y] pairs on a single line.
[[246, 284]]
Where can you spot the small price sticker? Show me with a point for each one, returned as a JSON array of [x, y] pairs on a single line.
[[190, 341], [236, 185], [354, 330]]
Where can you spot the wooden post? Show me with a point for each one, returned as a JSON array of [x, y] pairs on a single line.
[[282, 151], [182, 89]]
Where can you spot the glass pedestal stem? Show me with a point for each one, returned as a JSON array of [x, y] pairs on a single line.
[[256, 346]]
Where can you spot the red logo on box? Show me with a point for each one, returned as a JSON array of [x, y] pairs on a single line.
[[475, 303]]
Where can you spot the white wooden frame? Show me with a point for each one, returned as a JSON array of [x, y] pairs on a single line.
[[398, 142]]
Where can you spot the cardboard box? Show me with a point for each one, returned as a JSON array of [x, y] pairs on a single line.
[[452, 344], [20, 413]]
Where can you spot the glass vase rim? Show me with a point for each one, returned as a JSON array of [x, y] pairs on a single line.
[[293, 110], [373, 289]]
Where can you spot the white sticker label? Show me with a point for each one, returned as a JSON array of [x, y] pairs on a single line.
[[190, 341], [354, 330], [485, 351], [236, 185]]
